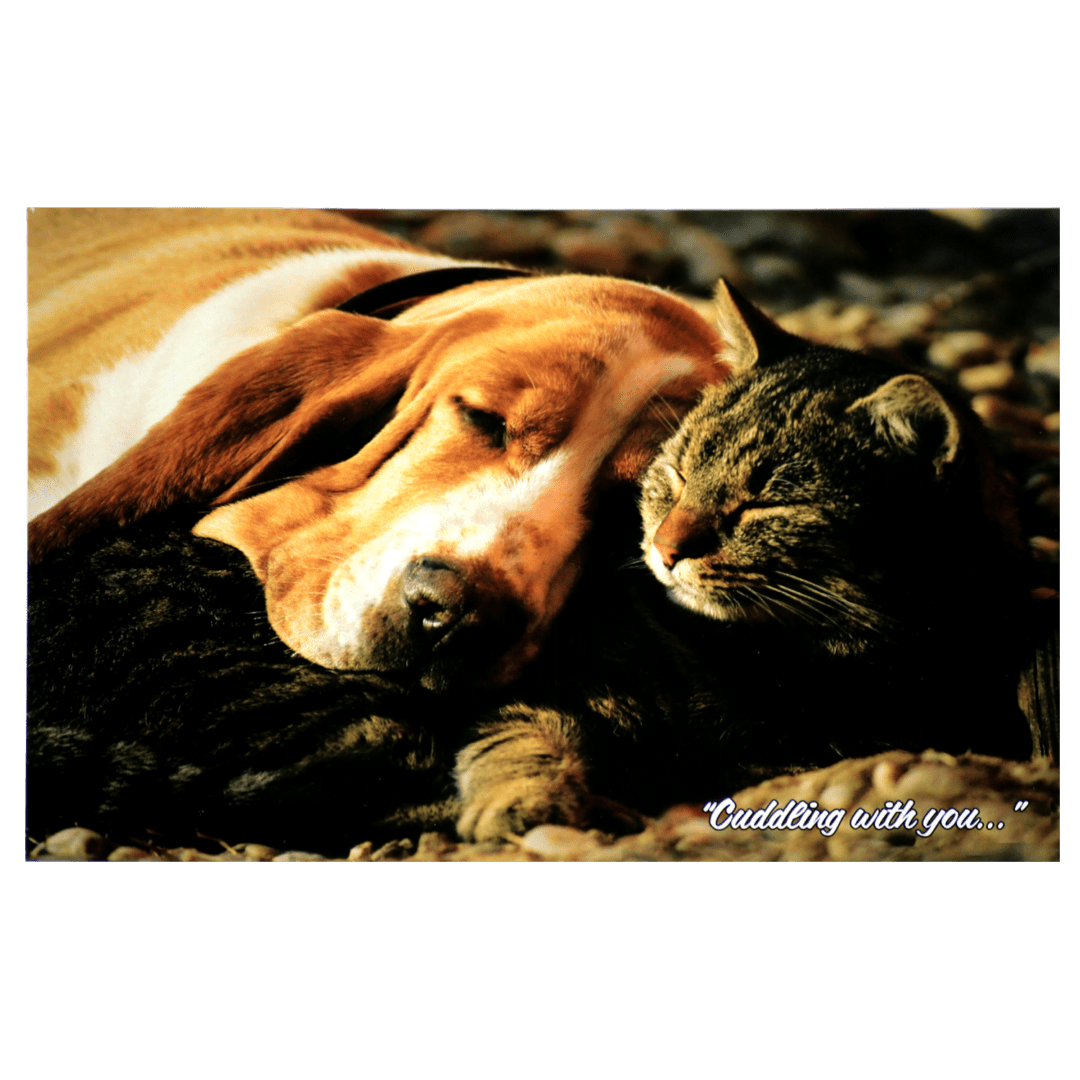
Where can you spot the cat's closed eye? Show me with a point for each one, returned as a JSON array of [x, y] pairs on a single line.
[[676, 481]]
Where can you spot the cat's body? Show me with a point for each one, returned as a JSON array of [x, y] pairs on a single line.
[[854, 565], [848, 580]]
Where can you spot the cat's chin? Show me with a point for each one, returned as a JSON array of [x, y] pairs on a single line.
[[718, 607]]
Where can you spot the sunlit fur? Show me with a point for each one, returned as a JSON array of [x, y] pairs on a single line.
[[192, 358], [827, 492]]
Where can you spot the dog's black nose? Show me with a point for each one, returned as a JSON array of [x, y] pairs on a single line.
[[436, 593]]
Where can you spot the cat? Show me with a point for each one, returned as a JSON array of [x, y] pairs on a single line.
[[845, 570], [856, 574]]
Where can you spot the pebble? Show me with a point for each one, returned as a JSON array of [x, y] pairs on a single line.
[[1036, 449], [131, 854], [1044, 359], [586, 251], [963, 348], [257, 852], [771, 270], [473, 235], [1044, 549], [850, 326], [558, 842], [77, 844], [1003, 415], [395, 850], [361, 852], [299, 856], [706, 258], [999, 376]]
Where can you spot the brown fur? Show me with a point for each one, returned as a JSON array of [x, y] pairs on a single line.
[[544, 356]]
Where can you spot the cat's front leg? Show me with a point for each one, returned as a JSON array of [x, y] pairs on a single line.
[[525, 769]]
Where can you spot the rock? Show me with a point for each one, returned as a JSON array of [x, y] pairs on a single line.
[[1002, 415], [771, 270], [299, 856], [706, 258], [586, 251], [1044, 549], [1044, 359], [132, 854], [361, 853], [474, 235], [558, 842], [432, 846], [257, 852], [998, 377], [832, 323], [78, 845], [393, 851], [963, 348]]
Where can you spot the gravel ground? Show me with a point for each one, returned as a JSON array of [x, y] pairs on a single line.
[[972, 294]]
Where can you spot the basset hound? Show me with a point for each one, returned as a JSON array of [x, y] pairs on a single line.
[[405, 447]]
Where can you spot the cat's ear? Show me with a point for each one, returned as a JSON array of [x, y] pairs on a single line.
[[750, 335], [913, 416]]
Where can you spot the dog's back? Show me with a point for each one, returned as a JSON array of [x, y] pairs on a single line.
[[99, 311]]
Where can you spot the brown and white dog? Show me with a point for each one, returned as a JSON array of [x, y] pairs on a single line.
[[414, 491]]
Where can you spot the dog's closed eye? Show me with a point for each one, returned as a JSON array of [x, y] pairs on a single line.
[[490, 424]]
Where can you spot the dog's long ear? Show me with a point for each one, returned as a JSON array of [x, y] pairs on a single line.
[[245, 424], [750, 335]]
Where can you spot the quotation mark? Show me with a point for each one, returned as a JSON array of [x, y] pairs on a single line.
[[709, 807], [1021, 805]]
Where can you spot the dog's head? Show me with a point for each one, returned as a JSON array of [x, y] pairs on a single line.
[[415, 494]]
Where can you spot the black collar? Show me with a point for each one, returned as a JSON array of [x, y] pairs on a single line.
[[393, 297]]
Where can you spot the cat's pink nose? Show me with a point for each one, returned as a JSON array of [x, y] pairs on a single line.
[[670, 555], [683, 535]]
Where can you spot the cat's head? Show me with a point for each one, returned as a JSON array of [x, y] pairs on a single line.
[[818, 488]]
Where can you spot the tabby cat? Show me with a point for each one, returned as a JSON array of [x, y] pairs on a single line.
[[857, 574], [847, 577]]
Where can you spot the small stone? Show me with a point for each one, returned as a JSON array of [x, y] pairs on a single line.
[[707, 258], [962, 349], [901, 322], [586, 250], [885, 775], [432, 846], [257, 852], [1036, 449], [131, 854], [299, 856], [1044, 359], [361, 852], [1052, 422], [1050, 500], [77, 844], [972, 218], [1002, 415], [998, 376], [1044, 549], [393, 851], [474, 235], [557, 842], [772, 270], [831, 323], [865, 290], [930, 779]]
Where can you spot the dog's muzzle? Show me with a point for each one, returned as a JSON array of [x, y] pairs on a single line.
[[446, 623]]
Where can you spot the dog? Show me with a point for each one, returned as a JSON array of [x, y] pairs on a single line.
[[408, 449]]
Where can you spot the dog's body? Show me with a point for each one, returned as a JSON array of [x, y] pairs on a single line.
[[414, 494]]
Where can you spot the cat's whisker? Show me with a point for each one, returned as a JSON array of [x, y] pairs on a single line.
[[800, 598], [670, 425], [779, 603], [835, 598]]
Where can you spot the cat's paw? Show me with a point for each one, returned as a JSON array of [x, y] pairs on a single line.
[[526, 769], [516, 805]]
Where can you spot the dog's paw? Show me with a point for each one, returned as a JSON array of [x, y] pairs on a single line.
[[517, 805]]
